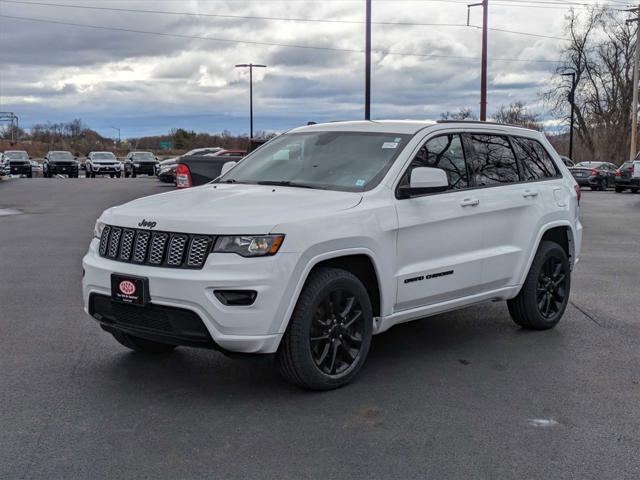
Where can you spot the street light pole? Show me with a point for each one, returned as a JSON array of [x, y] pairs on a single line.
[[367, 62], [250, 66], [634, 107], [572, 99]]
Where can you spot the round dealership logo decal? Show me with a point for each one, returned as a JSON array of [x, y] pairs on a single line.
[[127, 287]]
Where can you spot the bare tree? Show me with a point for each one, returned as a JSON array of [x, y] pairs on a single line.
[[462, 114], [517, 114], [600, 52]]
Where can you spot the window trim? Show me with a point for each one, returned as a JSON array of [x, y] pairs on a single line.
[[465, 148]]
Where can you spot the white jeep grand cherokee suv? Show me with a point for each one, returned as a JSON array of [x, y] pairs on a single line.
[[332, 233]]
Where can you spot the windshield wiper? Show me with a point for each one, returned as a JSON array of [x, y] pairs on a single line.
[[287, 183]]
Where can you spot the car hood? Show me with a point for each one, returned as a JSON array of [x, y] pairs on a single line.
[[229, 209]]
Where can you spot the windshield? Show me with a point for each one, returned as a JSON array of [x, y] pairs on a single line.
[[589, 164], [60, 156], [16, 155], [346, 161], [143, 156], [104, 156]]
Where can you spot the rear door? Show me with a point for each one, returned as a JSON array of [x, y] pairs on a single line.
[[509, 206]]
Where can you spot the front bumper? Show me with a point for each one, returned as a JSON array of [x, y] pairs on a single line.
[[20, 169], [248, 329], [63, 169], [103, 169], [144, 169]]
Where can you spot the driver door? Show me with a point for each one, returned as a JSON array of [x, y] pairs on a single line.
[[439, 238]]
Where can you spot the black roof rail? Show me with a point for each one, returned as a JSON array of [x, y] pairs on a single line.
[[481, 122]]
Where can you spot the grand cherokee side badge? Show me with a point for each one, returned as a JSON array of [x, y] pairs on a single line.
[[145, 223]]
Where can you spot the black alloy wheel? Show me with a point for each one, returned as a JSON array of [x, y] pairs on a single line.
[[551, 293], [337, 332]]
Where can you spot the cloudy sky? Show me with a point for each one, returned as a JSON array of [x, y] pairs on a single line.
[[184, 75]]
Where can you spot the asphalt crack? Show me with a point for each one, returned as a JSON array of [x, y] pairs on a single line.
[[586, 314]]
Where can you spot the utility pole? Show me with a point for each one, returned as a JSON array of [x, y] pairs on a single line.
[[367, 61], [634, 103], [250, 66], [572, 99], [483, 66]]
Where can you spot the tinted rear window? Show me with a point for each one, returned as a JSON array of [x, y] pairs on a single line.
[[534, 158], [492, 161]]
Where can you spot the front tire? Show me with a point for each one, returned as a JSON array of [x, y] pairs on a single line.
[[545, 293], [141, 345], [329, 333], [619, 189]]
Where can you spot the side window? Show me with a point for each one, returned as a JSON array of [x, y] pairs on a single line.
[[534, 158], [493, 161], [446, 153]]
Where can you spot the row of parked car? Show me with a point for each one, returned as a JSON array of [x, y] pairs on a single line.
[[60, 162], [603, 175]]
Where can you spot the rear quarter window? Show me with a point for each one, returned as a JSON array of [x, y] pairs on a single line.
[[536, 162]]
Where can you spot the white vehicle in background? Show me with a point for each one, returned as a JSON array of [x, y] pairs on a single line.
[[103, 163], [332, 233], [636, 169]]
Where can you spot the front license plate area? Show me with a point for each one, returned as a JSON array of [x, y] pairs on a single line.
[[129, 289]]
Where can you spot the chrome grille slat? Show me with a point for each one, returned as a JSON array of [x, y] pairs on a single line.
[[104, 240], [114, 242], [198, 250], [158, 244], [158, 249], [142, 242], [127, 244], [176, 249]]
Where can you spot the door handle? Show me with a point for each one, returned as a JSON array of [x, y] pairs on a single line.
[[530, 193], [469, 202]]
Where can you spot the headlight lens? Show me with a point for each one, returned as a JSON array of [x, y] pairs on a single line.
[[136, 164], [249, 245], [97, 230]]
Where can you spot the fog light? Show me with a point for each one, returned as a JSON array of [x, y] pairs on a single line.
[[236, 298]]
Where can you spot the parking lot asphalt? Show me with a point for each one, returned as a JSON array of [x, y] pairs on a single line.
[[460, 395]]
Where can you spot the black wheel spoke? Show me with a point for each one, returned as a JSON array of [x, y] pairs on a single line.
[[347, 308], [356, 316], [334, 354], [337, 332]]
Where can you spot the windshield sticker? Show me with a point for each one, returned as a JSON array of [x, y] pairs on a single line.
[[360, 183], [390, 145], [397, 140]]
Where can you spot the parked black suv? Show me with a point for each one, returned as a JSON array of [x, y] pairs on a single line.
[[17, 162], [60, 162], [140, 163]]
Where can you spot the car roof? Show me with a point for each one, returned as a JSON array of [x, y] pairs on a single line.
[[101, 151], [409, 127], [14, 151]]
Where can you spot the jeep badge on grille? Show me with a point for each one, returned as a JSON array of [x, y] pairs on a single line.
[[147, 224]]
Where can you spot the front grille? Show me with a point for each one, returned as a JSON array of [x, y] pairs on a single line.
[[158, 249]]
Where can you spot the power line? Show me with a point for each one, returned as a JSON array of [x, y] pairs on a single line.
[[253, 17], [271, 44]]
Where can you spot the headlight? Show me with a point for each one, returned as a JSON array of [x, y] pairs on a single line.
[[97, 230], [249, 245], [136, 165]]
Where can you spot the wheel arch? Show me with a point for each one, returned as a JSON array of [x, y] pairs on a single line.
[[561, 232], [359, 261]]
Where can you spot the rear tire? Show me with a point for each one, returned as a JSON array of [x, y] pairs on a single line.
[[142, 345], [545, 293], [329, 333], [619, 189], [634, 190], [133, 175]]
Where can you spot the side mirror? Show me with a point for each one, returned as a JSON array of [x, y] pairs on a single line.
[[226, 167], [425, 180], [30, 158]]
